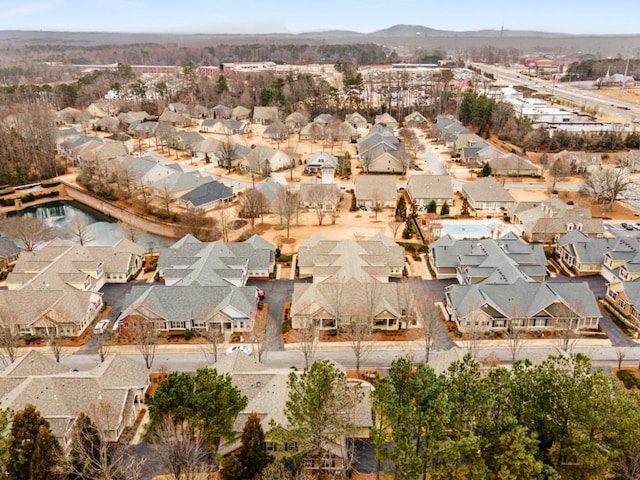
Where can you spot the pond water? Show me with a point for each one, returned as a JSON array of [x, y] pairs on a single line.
[[103, 230]]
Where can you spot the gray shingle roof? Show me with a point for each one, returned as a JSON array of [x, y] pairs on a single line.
[[209, 192]]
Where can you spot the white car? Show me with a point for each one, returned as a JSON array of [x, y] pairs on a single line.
[[240, 348], [100, 327]]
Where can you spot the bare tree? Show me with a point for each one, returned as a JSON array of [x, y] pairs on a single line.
[[223, 222], [254, 205], [166, 198], [54, 341], [394, 225], [515, 336], [129, 230], [227, 153], [608, 184], [376, 202], [79, 230], [308, 336], [323, 199], [411, 141], [144, 189], [473, 333], [31, 231], [263, 327], [213, 337], [359, 329], [285, 206], [621, 355], [558, 168], [426, 313], [196, 222], [9, 340], [182, 450], [90, 456], [567, 335], [145, 337], [103, 344]]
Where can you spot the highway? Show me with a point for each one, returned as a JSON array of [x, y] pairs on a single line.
[[619, 108]]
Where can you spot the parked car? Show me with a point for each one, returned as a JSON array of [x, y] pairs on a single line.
[[240, 348], [627, 226], [100, 327]]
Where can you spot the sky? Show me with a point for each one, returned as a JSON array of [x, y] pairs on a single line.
[[294, 16]]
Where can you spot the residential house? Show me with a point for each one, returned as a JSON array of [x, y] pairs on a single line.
[[106, 124], [264, 160], [221, 111], [112, 392], [547, 221], [382, 130], [486, 307], [185, 140], [357, 121], [423, 189], [312, 131], [98, 110], [223, 308], [319, 197], [581, 254], [500, 261], [349, 278], [378, 191], [579, 162], [448, 128], [512, 165], [487, 194], [69, 116], [179, 107], [224, 126], [240, 113], [9, 253], [267, 391], [142, 129], [192, 262], [127, 118], [323, 119], [277, 131], [622, 260], [321, 162], [207, 196], [624, 298], [270, 190], [265, 115], [295, 121], [204, 287], [343, 132], [386, 120], [416, 120], [175, 119]]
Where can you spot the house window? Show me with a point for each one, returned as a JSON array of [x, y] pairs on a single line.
[[540, 322], [517, 322], [569, 227], [499, 323], [579, 227], [622, 303], [291, 447], [612, 294], [270, 447]]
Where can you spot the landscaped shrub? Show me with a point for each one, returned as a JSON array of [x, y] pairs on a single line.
[[627, 378], [49, 183], [7, 191]]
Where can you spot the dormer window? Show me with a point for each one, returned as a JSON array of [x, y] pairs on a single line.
[[579, 227], [569, 227]]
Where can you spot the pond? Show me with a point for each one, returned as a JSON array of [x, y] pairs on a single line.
[[103, 230]]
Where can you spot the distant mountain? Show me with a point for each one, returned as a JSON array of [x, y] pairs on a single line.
[[408, 31]]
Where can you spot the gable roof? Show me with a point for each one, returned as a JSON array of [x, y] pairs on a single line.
[[209, 192], [487, 189], [430, 187], [380, 188]]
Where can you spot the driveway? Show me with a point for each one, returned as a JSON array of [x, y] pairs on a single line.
[[277, 292]]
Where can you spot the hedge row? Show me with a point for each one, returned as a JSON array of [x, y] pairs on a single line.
[[29, 197], [628, 379]]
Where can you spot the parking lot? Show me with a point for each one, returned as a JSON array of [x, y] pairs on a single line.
[[623, 229]]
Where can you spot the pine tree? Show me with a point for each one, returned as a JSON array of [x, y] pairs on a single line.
[[24, 432], [464, 210], [486, 170], [46, 456], [444, 210], [401, 208], [432, 207], [252, 457]]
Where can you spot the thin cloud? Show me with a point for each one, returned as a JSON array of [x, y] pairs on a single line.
[[11, 10]]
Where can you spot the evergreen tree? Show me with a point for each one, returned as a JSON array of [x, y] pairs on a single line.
[[486, 170], [464, 210], [444, 210], [34, 453], [432, 207], [46, 456], [252, 457], [408, 229], [401, 208], [221, 85]]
